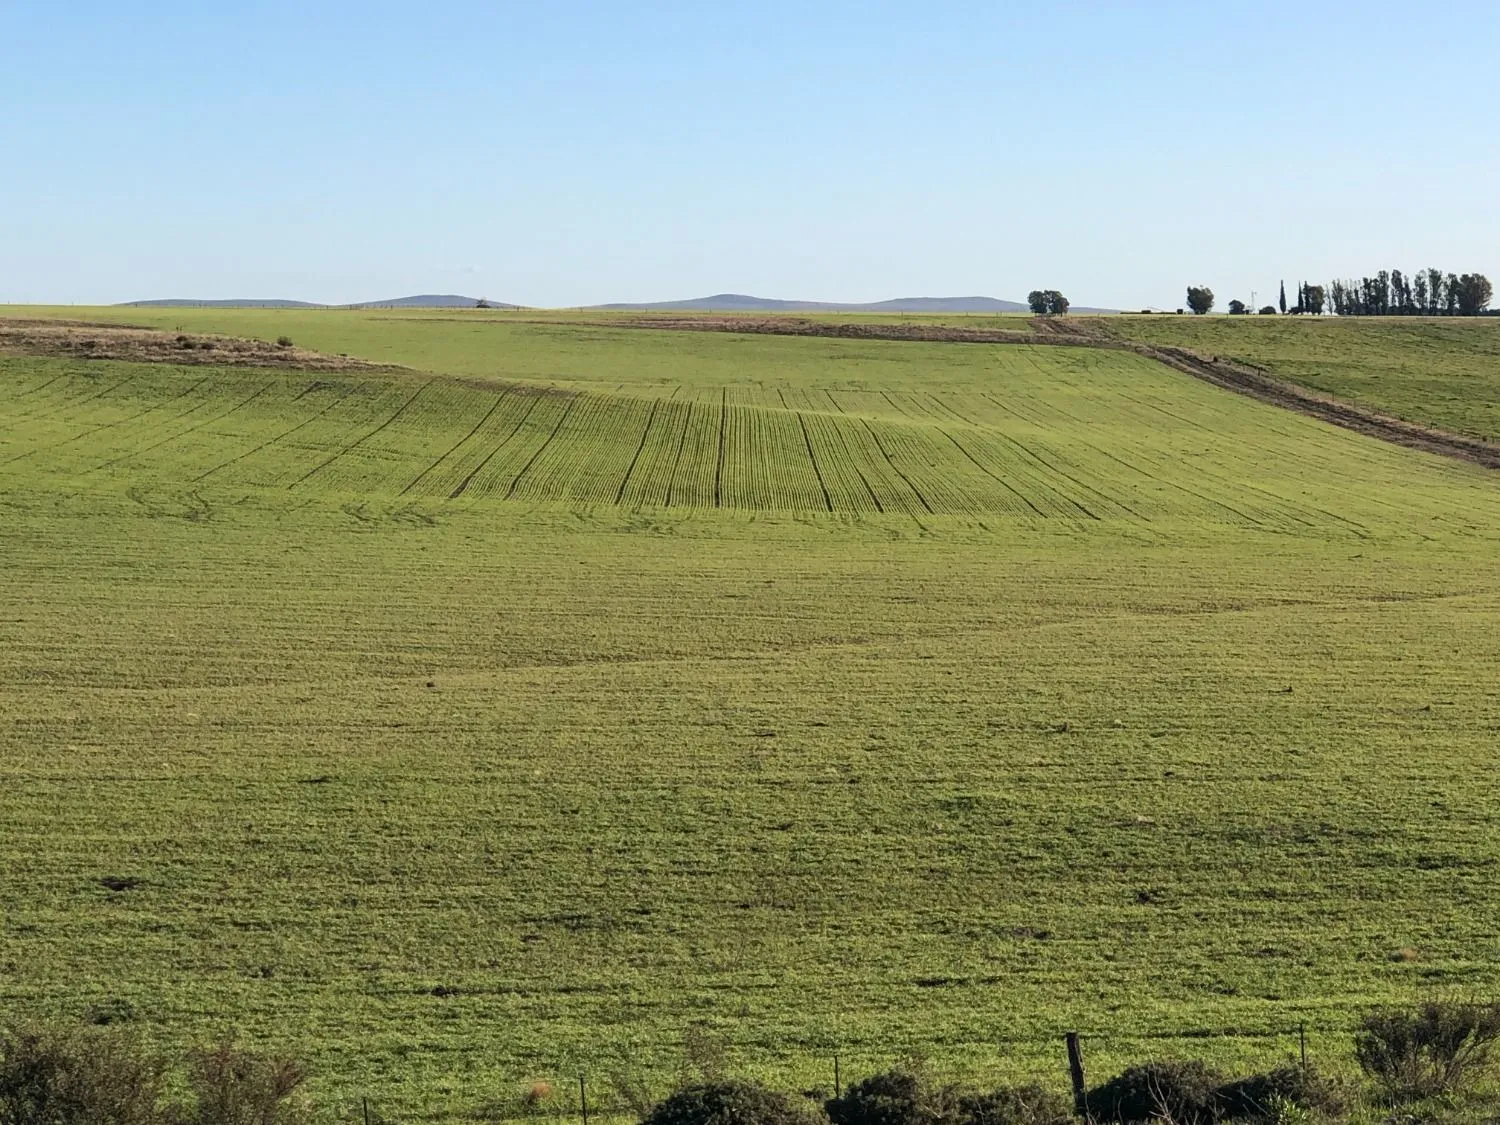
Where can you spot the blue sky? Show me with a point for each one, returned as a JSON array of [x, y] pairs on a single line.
[[558, 153]]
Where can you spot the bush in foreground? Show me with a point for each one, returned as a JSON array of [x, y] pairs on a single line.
[[726, 1103], [80, 1077], [235, 1087], [107, 1076], [1186, 1093], [896, 1098], [1264, 1097], [1432, 1050], [1015, 1105]]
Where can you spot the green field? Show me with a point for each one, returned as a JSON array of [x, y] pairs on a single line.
[[1440, 371], [587, 690]]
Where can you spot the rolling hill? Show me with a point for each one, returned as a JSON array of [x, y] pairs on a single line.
[[596, 683]]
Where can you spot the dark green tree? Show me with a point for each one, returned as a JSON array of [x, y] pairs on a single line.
[[1238, 307], [1200, 299], [1474, 294], [1283, 297]]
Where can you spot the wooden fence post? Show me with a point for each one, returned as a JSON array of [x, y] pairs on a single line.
[[583, 1099], [1075, 1071]]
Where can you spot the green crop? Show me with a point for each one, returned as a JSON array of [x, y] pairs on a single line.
[[587, 695]]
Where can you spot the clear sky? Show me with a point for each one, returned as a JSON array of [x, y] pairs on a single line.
[[558, 153]]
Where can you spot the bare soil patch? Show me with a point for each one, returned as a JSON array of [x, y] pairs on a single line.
[[83, 340]]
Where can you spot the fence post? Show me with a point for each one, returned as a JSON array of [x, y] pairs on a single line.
[[838, 1085], [1302, 1035], [365, 1104], [583, 1099], [1075, 1071]]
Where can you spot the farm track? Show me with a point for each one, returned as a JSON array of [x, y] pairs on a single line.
[[1279, 392]]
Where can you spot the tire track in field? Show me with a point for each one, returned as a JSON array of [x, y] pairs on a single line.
[[40, 387], [651, 418], [1279, 502], [723, 420], [468, 480], [687, 418], [284, 433], [1056, 471], [896, 406], [183, 433], [360, 441], [42, 417], [542, 449], [880, 446], [997, 432], [107, 425], [874, 496], [1170, 484], [817, 472], [454, 448], [939, 404], [807, 440], [998, 479], [1150, 476]]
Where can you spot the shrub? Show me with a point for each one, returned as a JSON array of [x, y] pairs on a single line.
[[1431, 1050], [283, 341], [1184, 1092], [235, 1087], [897, 1098], [78, 1077], [1268, 310], [1015, 1105], [1265, 1097], [726, 1103]]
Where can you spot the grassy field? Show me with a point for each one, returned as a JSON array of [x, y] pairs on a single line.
[[1444, 372], [585, 692]]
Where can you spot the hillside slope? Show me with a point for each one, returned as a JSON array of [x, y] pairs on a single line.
[[528, 713]]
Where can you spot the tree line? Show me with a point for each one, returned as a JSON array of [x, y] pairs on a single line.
[[1428, 292]]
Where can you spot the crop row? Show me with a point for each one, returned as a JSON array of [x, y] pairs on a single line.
[[1067, 444]]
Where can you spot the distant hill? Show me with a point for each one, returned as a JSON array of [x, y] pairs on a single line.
[[232, 303], [421, 301], [429, 301], [739, 302]]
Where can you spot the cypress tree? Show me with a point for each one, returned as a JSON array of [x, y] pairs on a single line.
[[1283, 298]]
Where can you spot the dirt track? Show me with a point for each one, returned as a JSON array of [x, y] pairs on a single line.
[[1279, 392]]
